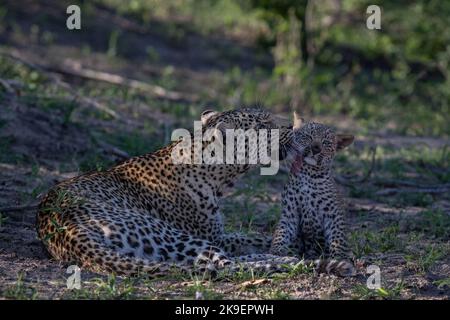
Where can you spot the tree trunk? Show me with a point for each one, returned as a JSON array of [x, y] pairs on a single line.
[[304, 31]]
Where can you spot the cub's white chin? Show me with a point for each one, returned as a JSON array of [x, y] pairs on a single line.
[[310, 161]]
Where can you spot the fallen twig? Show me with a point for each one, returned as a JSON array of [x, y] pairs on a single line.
[[394, 183], [426, 189], [16, 55], [75, 69]]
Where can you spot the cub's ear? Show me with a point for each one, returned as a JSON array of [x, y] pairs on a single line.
[[298, 121], [206, 115], [344, 140]]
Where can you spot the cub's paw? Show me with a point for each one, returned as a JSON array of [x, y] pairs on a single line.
[[345, 268], [341, 268]]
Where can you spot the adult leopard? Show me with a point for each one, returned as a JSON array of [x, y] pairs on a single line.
[[148, 214]]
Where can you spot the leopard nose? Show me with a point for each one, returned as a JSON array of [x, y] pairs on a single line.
[[316, 148]]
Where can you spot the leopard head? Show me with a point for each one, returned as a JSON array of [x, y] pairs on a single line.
[[248, 118]]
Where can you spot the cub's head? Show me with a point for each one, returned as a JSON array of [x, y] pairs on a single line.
[[316, 144]]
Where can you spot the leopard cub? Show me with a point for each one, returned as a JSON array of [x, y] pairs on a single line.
[[312, 221]]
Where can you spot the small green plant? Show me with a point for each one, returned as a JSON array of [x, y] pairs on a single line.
[[21, 291], [109, 288], [243, 274], [361, 291], [424, 260], [300, 268], [359, 244], [367, 242], [3, 219], [112, 289], [388, 239], [441, 283]]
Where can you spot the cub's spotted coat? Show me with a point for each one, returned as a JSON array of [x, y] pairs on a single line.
[[312, 221]]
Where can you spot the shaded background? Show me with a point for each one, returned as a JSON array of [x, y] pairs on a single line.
[[74, 101]]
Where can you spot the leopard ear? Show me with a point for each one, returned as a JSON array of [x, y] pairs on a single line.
[[206, 115], [298, 121], [344, 140]]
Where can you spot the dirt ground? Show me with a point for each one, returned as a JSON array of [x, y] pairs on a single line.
[[394, 222]]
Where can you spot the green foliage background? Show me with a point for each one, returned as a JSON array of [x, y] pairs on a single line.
[[396, 78], [399, 74]]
